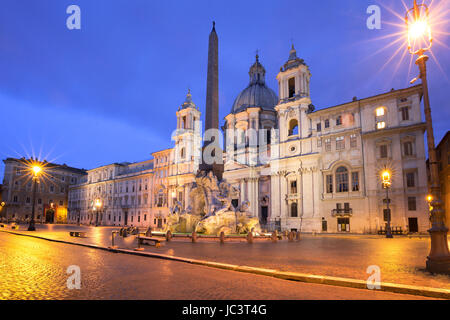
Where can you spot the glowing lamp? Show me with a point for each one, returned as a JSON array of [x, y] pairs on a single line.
[[418, 28], [386, 178], [36, 170]]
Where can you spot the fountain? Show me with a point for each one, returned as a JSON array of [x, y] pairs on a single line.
[[212, 212]]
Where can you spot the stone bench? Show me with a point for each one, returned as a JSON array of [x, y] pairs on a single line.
[[153, 241]]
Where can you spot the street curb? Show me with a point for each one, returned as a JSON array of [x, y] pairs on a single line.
[[291, 276]]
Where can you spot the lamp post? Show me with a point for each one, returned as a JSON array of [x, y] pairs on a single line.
[[419, 31], [386, 180], [97, 208], [36, 171]]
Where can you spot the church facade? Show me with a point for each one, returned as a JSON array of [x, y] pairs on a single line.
[[299, 168], [321, 170]]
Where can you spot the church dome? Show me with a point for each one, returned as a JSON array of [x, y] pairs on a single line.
[[257, 94]]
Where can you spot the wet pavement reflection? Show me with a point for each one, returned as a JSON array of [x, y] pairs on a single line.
[[401, 260], [32, 268]]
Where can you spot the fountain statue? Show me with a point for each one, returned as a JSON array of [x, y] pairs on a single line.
[[212, 211]]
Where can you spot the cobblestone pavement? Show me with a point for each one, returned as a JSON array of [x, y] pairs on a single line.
[[401, 260], [31, 268]]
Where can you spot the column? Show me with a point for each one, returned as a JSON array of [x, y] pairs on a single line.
[[283, 206], [275, 196]]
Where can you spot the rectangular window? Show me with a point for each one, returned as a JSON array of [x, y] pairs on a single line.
[[293, 187], [381, 125], [355, 181], [340, 143], [410, 180], [319, 127], [327, 123], [346, 207], [411, 203], [339, 121], [405, 113], [291, 84], [319, 143], [329, 183], [328, 144], [408, 148], [353, 141], [383, 151]]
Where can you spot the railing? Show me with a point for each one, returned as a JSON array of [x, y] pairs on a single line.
[[347, 212], [292, 196]]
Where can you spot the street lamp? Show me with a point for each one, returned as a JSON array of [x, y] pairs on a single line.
[[97, 208], [419, 34], [36, 170], [386, 181]]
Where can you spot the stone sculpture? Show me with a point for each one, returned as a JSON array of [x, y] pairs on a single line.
[[212, 211]]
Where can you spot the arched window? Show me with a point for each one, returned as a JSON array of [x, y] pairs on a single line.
[[294, 212], [342, 179], [293, 127]]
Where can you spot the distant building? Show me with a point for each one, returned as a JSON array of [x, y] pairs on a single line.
[[51, 193], [443, 158], [141, 193]]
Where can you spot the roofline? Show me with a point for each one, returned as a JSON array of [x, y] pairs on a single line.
[[161, 151], [49, 164], [416, 88], [446, 136]]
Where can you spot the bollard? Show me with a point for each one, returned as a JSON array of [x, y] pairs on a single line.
[[112, 240], [168, 236], [222, 237], [297, 236], [291, 236], [274, 236], [194, 237], [139, 243], [250, 237]]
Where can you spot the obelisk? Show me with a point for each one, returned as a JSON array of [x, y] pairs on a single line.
[[212, 104], [212, 82]]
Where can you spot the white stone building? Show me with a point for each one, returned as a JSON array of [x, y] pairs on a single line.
[[300, 168]]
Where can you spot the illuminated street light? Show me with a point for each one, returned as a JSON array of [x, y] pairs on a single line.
[[97, 207], [36, 170], [386, 181], [418, 27]]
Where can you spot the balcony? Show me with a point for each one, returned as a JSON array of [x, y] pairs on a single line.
[[346, 212], [292, 196]]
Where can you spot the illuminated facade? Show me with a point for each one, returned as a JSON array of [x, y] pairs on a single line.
[[304, 169], [51, 195], [321, 169]]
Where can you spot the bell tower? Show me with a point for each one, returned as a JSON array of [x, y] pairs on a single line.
[[295, 102], [187, 137]]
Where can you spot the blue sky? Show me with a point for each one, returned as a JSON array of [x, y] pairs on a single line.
[[109, 92]]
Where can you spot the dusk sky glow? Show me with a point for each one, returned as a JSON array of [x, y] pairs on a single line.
[[109, 92]]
